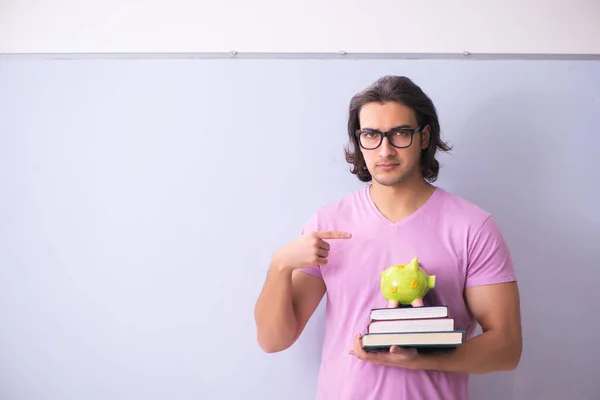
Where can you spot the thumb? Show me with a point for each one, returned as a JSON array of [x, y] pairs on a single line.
[[403, 352]]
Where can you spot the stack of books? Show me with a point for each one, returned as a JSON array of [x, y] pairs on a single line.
[[424, 328]]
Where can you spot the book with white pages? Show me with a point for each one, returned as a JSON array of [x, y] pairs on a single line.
[[412, 325], [378, 314]]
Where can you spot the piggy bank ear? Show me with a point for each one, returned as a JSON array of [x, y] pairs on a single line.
[[414, 264]]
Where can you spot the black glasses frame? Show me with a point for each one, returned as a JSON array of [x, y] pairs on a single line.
[[387, 135]]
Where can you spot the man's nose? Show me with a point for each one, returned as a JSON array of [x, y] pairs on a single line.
[[386, 149]]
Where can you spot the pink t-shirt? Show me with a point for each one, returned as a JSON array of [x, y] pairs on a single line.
[[453, 239]]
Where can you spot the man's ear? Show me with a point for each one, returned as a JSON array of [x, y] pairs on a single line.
[[425, 137]]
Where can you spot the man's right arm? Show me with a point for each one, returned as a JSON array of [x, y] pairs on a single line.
[[288, 300], [290, 297]]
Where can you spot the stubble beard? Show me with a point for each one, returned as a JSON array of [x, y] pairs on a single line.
[[394, 179]]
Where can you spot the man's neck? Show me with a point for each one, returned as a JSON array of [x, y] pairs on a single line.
[[398, 202]]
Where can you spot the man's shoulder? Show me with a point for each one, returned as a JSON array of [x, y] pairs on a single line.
[[459, 209], [344, 204]]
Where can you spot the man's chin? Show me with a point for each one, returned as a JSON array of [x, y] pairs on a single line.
[[389, 180]]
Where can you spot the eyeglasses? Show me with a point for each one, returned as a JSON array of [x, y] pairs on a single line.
[[401, 137]]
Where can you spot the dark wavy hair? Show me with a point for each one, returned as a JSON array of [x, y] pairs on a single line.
[[402, 90]]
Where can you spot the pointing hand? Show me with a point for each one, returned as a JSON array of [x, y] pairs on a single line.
[[308, 250]]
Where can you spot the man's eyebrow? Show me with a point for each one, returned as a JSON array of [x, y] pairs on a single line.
[[404, 126]]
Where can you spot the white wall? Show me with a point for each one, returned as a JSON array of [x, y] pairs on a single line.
[[130, 239], [385, 26]]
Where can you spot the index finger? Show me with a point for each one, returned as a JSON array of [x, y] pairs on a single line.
[[332, 235]]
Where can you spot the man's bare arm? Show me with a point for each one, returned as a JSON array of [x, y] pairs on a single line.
[[290, 297], [498, 348], [288, 300], [497, 309]]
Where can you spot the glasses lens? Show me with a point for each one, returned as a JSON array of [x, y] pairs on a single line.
[[370, 140], [401, 137]]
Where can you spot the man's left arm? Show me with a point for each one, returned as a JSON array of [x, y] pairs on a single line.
[[492, 294], [498, 348]]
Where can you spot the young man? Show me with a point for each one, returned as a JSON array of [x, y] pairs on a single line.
[[394, 135]]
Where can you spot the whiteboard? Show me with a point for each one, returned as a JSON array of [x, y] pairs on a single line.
[[141, 201]]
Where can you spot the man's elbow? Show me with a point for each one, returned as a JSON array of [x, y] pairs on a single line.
[[270, 348], [273, 345], [513, 355], [511, 363]]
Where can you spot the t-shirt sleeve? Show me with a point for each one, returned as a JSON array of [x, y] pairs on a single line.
[[310, 226], [489, 258]]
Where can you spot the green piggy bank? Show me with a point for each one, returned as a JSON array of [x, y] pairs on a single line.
[[405, 284]]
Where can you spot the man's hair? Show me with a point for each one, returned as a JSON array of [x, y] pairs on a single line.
[[402, 90]]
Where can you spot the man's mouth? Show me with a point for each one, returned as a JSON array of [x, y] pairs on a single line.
[[387, 166]]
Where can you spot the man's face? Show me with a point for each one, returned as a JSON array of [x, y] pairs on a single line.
[[388, 165]]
